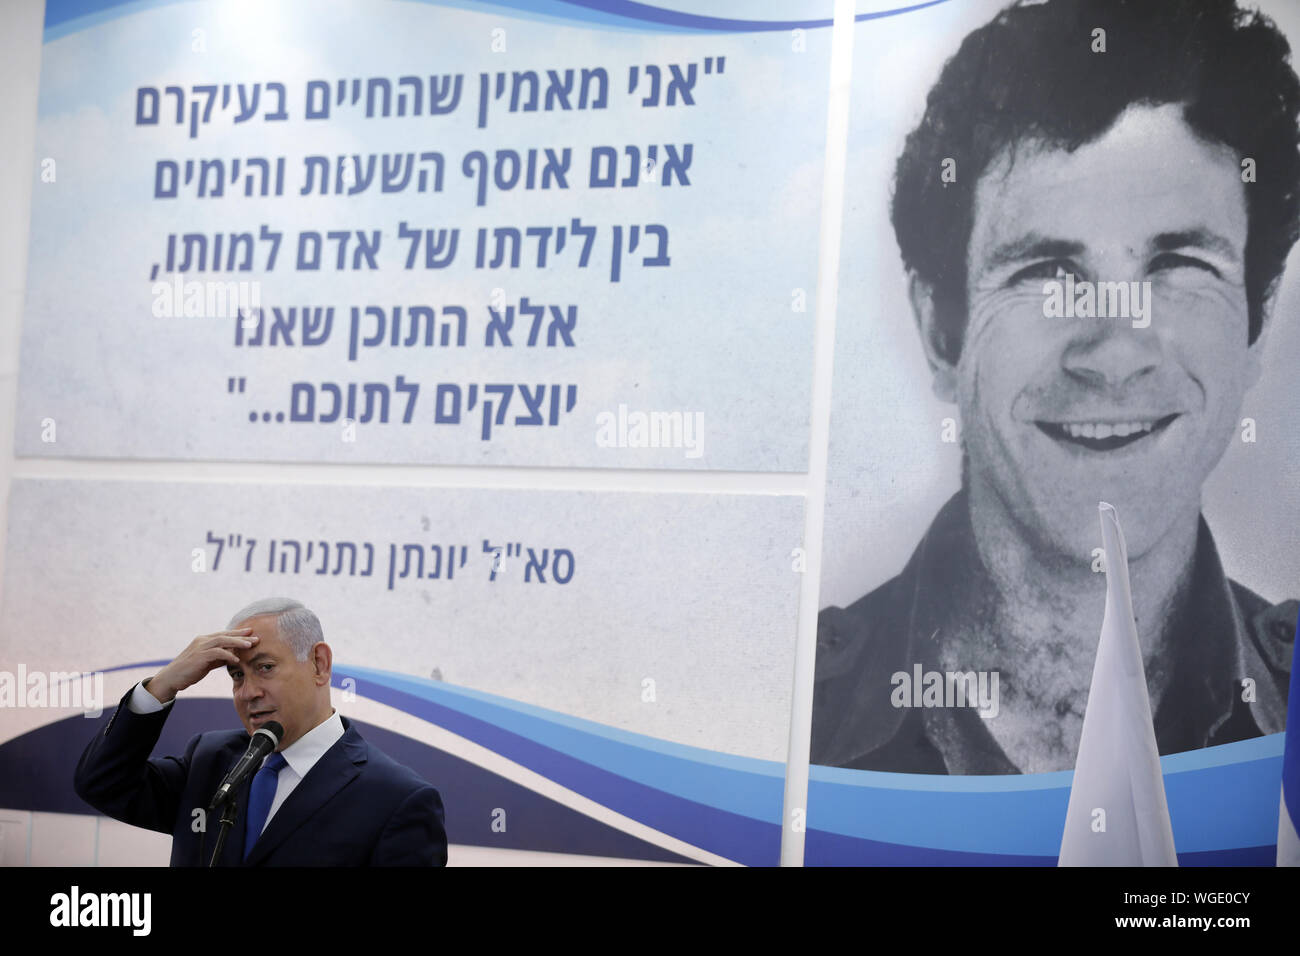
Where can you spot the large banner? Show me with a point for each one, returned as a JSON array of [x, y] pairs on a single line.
[[391, 233], [436, 233], [545, 275], [520, 636], [1054, 293]]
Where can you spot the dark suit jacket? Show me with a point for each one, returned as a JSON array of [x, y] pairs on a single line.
[[355, 807]]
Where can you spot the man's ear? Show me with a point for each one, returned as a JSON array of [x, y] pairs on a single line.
[[323, 660], [1255, 352], [933, 339]]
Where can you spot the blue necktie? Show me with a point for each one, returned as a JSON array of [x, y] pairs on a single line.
[[260, 797]]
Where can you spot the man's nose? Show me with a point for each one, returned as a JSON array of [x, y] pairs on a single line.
[[1110, 353], [248, 689]]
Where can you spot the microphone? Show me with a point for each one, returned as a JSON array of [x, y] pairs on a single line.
[[264, 742]]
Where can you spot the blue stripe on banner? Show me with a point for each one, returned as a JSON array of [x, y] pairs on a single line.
[[1291, 755], [734, 836], [63, 17], [833, 849], [741, 785], [49, 754], [1219, 798], [1222, 800]]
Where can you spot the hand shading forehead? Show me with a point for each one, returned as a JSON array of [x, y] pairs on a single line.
[[264, 626], [269, 643]]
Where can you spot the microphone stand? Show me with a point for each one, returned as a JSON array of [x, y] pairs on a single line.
[[227, 821]]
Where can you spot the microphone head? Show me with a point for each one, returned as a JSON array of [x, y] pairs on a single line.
[[274, 729]]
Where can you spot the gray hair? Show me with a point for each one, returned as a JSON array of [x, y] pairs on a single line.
[[297, 626]]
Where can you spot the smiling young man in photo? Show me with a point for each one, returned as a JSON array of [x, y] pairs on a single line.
[[1166, 161]]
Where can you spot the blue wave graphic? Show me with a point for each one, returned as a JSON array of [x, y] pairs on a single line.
[[704, 799], [725, 804], [63, 17], [1223, 801], [1221, 798]]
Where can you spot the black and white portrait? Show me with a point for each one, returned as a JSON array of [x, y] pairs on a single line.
[[1064, 283]]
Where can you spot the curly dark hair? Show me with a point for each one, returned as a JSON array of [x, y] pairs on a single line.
[[1030, 74]]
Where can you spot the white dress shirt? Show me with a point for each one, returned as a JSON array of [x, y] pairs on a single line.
[[300, 756]]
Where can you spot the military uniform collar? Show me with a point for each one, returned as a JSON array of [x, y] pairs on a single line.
[[1221, 636], [1210, 642]]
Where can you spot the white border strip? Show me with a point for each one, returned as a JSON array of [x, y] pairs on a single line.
[[343, 474], [794, 814]]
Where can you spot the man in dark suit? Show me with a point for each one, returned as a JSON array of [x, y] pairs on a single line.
[[324, 798]]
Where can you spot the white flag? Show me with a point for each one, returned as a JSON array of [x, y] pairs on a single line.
[[1117, 814], [1288, 841]]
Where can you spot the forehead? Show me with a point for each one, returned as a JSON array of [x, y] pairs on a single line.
[[269, 640], [1148, 174]]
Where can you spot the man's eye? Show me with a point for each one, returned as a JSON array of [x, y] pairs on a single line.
[[266, 667], [1046, 270], [236, 675], [1174, 260]]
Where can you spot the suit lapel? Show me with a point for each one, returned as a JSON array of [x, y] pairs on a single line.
[[336, 768]]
